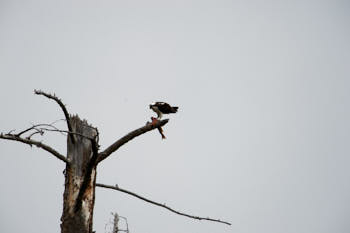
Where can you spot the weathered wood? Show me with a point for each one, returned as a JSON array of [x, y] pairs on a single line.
[[60, 103], [116, 187], [15, 137], [80, 179], [137, 132]]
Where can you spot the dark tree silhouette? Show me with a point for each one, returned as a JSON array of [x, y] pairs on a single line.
[[82, 159]]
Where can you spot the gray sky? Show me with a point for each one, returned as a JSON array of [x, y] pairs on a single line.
[[261, 138]]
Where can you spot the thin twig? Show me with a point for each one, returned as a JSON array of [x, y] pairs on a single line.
[[115, 146], [63, 107], [25, 131], [67, 132], [36, 132], [127, 225], [40, 130], [159, 204], [12, 130], [36, 128], [31, 142]]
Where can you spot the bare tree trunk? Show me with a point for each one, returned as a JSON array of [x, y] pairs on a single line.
[[80, 178]]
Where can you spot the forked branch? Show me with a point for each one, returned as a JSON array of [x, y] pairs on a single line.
[[159, 204], [63, 107], [31, 142], [115, 146]]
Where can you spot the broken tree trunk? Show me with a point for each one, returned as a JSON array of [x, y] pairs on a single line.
[[80, 178]]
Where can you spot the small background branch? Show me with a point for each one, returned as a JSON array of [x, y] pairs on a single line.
[[113, 225], [159, 204]]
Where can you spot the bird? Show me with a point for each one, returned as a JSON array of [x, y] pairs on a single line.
[[162, 108]]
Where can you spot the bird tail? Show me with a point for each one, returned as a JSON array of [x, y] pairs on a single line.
[[175, 109]]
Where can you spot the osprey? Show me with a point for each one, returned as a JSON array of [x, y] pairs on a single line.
[[162, 108]]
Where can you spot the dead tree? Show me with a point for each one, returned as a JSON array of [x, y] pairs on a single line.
[[113, 225], [116, 228], [83, 156]]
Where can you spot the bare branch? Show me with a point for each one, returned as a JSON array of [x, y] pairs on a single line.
[[115, 146], [31, 142], [59, 102], [35, 128], [65, 131], [12, 130], [25, 131], [158, 204], [39, 129], [36, 132]]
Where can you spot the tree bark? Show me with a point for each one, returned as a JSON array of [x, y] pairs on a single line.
[[80, 178]]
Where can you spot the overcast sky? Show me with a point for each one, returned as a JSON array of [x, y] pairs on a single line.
[[261, 138]]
